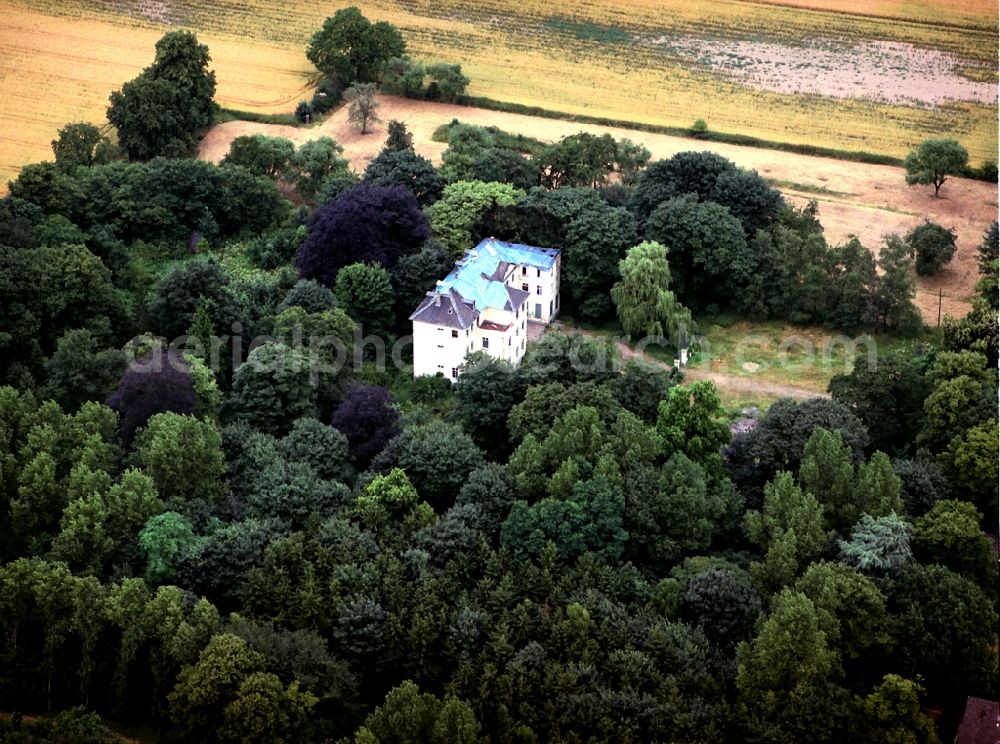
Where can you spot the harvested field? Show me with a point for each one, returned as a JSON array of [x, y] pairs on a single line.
[[61, 60], [869, 201], [58, 69]]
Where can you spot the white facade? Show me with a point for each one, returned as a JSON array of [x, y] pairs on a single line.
[[441, 349], [485, 305], [543, 287]]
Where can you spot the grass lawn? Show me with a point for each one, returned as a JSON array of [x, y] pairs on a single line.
[[782, 353]]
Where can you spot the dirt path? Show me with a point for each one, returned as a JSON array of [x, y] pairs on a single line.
[[869, 201]]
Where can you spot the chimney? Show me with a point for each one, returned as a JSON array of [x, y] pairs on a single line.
[[437, 299]]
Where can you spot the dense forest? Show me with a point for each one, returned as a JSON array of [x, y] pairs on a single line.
[[218, 527]]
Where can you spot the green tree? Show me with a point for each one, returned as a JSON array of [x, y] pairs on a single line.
[[390, 508], [894, 289], [789, 529], [977, 331], [945, 633], [163, 539], [361, 105], [893, 714], [398, 137], [543, 405], [669, 511], [364, 291], [485, 393], [933, 161], [577, 160], [314, 163], [878, 487], [645, 304], [827, 473], [461, 208], [641, 386], [403, 76], [447, 82], [851, 612], [183, 456], [273, 388], [690, 421], [709, 257], [438, 457], [466, 142], [204, 689], [971, 462], [887, 394], [160, 111], [933, 246], [264, 710], [950, 535], [349, 48], [788, 662], [962, 396], [81, 144], [320, 447], [878, 546], [148, 115], [595, 236], [45, 292], [80, 370], [722, 604], [590, 520], [407, 715], [260, 154], [403, 167], [98, 531]]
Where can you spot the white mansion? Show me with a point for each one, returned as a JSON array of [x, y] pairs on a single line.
[[485, 304]]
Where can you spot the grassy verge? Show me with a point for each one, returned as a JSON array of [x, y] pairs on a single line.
[[806, 188], [223, 115]]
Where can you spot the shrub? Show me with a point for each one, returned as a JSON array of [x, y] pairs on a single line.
[[303, 111], [932, 245], [328, 95]]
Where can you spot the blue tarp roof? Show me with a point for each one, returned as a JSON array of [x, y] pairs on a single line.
[[518, 253], [474, 278]]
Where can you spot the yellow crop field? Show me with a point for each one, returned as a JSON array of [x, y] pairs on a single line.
[[607, 58], [58, 69]]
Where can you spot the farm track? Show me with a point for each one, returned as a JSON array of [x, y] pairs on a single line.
[[873, 200]]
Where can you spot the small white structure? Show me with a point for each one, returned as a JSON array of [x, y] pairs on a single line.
[[484, 304]]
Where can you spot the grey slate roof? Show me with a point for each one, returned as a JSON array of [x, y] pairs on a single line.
[[517, 296], [451, 310], [980, 722]]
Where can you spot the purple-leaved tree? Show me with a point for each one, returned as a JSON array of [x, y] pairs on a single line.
[[365, 224], [368, 418], [156, 382]]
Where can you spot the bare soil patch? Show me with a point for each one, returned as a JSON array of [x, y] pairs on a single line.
[[871, 201], [883, 71]]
